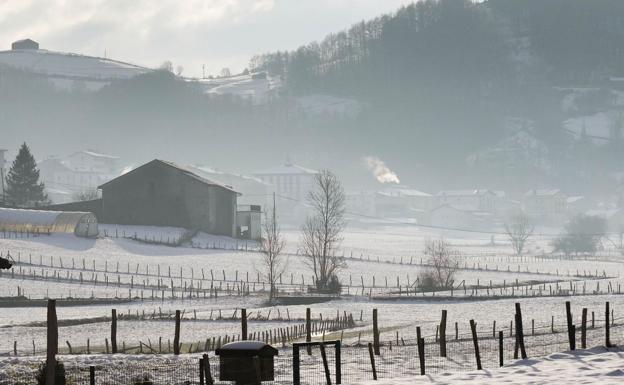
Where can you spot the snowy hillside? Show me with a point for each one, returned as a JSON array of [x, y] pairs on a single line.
[[69, 65], [255, 88]]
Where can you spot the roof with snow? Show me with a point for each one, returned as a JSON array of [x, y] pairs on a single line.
[[543, 192], [461, 210], [175, 166], [69, 65], [401, 191], [575, 199], [457, 193], [213, 172], [287, 169]]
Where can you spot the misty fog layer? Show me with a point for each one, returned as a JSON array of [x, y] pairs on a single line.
[[503, 94]]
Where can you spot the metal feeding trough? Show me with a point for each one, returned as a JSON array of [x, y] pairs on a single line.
[[246, 362]]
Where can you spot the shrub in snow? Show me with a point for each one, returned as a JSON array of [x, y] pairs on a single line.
[[60, 374]]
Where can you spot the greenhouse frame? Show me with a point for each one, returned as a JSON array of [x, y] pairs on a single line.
[[81, 224]]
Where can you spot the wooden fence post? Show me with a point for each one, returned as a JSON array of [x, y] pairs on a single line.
[[607, 323], [52, 348], [372, 360], [500, 349], [295, 362], [421, 351], [571, 334], [91, 375], [244, 324], [584, 329], [338, 359], [207, 374], [308, 330], [176, 338], [325, 366], [375, 333], [201, 371], [519, 334], [114, 331], [443, 334], [475, 341]]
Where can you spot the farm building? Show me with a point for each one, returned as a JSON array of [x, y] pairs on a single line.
[[82, 224], [161, 193], [24, 44], [249, 222]]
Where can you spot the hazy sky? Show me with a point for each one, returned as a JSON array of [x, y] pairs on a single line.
[[217, 33]]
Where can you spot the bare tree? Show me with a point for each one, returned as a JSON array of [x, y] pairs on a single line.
[[442, 263], [322, 231], [272, 246], [519, 229], [167, 65]]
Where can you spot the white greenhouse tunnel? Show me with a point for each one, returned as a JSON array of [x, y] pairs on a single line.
[[82, 224]]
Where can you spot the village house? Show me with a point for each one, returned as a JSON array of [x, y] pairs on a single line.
[[549, 206], [79, 173], [471, 200], [291, 184], [451, 217], [402, 201]]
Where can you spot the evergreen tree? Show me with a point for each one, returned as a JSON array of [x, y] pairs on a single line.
[[23, 186]]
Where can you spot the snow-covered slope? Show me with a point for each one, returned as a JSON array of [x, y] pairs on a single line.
[[60, 64], [254, 88]]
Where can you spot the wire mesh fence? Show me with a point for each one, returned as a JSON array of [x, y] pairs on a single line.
[[393, 361]]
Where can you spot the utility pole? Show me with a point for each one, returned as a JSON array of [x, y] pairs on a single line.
[[203, 71]]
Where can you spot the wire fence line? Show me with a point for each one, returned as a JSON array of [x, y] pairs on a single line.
[[394, 360]]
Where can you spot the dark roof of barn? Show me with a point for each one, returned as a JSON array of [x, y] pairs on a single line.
[[178, 168]]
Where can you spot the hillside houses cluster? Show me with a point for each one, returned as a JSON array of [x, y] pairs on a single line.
[[80, 173], [478, 209]]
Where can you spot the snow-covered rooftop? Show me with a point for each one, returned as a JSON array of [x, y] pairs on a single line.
[[456, 193], [177, 167], [287, 169], [403, 191], [542, 192]]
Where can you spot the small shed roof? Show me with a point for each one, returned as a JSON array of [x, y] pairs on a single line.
[[246, 348]]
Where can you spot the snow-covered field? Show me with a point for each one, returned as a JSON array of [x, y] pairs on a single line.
[[383, 252], [592, 366]]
